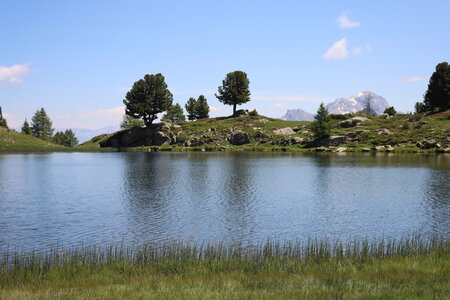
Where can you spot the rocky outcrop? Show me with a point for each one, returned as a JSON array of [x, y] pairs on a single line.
[[238, 137], [352, 122], [154, 135], [284, 131], [332, 141], [240, 112]]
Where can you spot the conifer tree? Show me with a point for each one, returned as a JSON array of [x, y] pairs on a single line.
[[26, 127], [147, 98], [130, 122], [321, 127], [174, 114], [234, 89], [41, 125], [190, 107], [202, 108], [437, 97]]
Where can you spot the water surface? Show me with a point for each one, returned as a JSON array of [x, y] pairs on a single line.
[[69, 199]]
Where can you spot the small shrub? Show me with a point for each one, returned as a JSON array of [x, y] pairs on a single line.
[[253, 113]]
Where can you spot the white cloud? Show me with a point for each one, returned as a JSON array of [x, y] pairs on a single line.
[[14, 74], [344, 21], [215, 109], [337, 51], [413, 79]]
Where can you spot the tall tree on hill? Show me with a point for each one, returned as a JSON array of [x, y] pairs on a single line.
[[321, 127], [174, 114], [26, 127], [202, 108], [437, 97], [234, 90], [147, 98], [3, 122], [41, 125], [190, 107]]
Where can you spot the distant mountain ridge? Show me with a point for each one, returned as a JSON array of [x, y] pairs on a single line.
[[358, 103], [297, 115]]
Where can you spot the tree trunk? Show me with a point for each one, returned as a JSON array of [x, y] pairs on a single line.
[[234, 109]]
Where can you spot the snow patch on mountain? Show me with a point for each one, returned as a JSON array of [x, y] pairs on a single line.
[[358, 103]]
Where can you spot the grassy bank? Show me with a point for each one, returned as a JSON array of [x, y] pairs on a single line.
[[404, 269], [13, 141], [403, 133]]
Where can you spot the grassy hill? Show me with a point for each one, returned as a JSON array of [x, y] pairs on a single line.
[[11, 140], [404, 133]]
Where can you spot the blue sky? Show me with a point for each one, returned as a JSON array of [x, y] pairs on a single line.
[[77, 59]]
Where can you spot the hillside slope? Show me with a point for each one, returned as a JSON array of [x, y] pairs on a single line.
[[412, 133], [12, 140]]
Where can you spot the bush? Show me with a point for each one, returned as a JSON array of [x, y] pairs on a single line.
[[253, 113]]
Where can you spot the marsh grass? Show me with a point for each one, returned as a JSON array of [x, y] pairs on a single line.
[[318, 269]]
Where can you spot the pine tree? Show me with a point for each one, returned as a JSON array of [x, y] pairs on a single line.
[[174, 114], [437, 97], [321, 127], [147, 98], [26, 127], [190, 107], [3, 122], [41, 125], [390, 111], [234, 90], [130, 122], [202, 108], [66, 138]]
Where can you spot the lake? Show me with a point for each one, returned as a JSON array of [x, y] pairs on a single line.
[[71, 199]]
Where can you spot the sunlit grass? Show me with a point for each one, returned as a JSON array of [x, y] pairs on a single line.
[[409, 268]]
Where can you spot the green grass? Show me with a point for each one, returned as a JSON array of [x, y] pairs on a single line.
[[405, 132], [410, 268], [11, 140]]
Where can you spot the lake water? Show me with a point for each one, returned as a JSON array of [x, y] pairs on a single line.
[[68, 199]]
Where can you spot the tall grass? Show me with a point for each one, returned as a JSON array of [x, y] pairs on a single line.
[[177, 253]]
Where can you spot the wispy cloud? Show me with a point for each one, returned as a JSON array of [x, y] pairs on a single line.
[[338, 51], [345, 22], [216, 109], [413, 79], [14, 74]]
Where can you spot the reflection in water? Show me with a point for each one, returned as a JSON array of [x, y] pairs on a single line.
[[96, 198], [437, 204], [237, 197]]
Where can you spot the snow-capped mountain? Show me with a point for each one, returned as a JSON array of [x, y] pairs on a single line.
[[358, 103], [297, 115]]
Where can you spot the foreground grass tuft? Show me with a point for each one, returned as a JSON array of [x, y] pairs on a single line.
[[410, 268]]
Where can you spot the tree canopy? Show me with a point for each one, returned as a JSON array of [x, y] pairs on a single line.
[[147, 98], [26, 127], [234, 89], [321, 127], [190, 107], [174, 114], [130, 122], [202, 108], [390, 111], [41, 125], [3, 122], [66, 138], [437, 97]]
